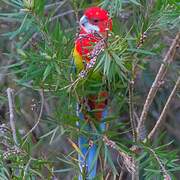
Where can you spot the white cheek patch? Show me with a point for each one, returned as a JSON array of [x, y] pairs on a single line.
[[90, 28]]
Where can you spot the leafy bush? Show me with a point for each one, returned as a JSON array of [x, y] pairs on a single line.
[[43, 145]]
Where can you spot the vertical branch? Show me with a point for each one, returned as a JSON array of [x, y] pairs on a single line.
[[156, 84], [11, 114], [164, 111], [135, 173], [131, 110]]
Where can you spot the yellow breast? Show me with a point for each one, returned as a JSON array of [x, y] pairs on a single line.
[[78, 61]]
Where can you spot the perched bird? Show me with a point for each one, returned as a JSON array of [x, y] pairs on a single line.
[[94, 25]]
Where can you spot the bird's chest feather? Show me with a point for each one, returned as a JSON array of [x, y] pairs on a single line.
[[78, 60]]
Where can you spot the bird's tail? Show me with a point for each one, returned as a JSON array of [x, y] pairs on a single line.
[[87, 161]]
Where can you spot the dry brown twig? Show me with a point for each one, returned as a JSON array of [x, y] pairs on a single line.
[[11, 114], [131, 110], [127, 160], [39, 117], [108, 175], [164, 111], [156, 84], [164, 171], [15, 149]]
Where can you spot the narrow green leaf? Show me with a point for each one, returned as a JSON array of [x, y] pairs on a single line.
[[135, 2], [63, 170], [47, 72], [141, 51]]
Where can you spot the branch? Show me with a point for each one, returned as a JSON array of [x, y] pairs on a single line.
[[164, 112], [47, 7], [127, 160], [11, 114], [39, 117], [30, 40], [61, 14], [159, 78], [131, 110], [164, 171], [52, 5]]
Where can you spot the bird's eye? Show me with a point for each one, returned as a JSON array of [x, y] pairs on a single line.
[[95, 20]]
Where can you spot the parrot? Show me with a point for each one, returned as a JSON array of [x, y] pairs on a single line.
[[95, 20]]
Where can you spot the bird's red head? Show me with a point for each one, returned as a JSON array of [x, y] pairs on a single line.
[[95, 19]]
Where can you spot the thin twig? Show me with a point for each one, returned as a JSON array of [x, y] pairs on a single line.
[[50, 20], [127, 160], [11, 114], [135, 174], [39, 117], [121, 175], [156, 84], [61, 14], [131, 110], [30, 40], [26, 168], [164, 171], [59, 6], [164, 111], [107, 176], [52, 5]]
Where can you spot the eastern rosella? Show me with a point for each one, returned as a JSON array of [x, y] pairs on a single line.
[[94, 21]]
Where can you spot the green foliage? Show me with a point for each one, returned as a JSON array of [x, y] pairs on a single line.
[[42, 61], [152, 161]]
